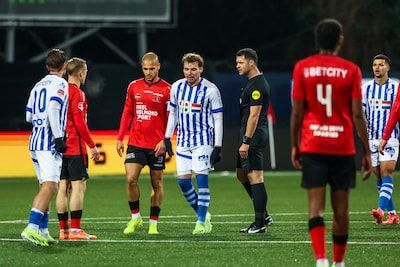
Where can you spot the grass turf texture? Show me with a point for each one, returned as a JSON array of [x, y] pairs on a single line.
[[106, 213]]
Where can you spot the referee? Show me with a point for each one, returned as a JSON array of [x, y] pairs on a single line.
[[254, 101]]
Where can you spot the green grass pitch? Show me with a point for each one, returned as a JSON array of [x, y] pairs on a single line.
[[106, 213]]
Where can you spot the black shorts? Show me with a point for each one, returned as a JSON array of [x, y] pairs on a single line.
[[145, 156], [74, 168], [255, 158], [320, 170]]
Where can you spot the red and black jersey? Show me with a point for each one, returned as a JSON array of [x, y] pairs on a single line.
[[77, 131], [145, 113], [327, 85]]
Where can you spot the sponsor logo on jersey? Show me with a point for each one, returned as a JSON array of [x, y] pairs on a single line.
[[196, 107], [137, 96], [255, 95]]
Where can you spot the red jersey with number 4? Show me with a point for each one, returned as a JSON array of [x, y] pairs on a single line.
[[145, 112], [77, 131], [327, 85]]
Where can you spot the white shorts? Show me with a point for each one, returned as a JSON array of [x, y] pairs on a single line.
[[196, 159], [391, 151], [47, 165]]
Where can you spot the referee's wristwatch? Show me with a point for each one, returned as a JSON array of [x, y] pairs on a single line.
[[246, 140]]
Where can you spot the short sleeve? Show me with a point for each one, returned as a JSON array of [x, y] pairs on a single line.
[[356, 84], [297, 85]]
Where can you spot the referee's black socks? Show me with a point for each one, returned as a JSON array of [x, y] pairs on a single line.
[[259, 201]]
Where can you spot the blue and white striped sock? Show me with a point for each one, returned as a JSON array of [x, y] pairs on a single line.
[[203, 198], [385, 193], [188, 192]]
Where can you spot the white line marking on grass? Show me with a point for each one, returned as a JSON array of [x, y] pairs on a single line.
[[190, 216], [195, 241]]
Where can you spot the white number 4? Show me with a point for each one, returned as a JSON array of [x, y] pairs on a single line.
[[327, 100]]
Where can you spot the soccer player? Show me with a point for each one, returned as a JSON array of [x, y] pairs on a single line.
[[47, 111], [326, 102], [75, 159], [254, 101], [378, 97], [196, 108], [145, 113]]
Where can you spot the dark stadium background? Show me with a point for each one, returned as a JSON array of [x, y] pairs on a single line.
[[280, 31]]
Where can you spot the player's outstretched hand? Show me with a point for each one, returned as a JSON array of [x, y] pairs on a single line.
[[215, 155], [366, 166], [60, 145], [120, 148], [95, 153], [381, 147], [296, 158], [168, 146]]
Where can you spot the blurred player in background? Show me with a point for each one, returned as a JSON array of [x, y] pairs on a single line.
[[145, 115], [47, 111], [326, 102], [378, 99], [254, 101], [196, 109], [75, 159]]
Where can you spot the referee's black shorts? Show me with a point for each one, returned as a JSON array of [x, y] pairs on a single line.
[[320, 169], [255, 158]]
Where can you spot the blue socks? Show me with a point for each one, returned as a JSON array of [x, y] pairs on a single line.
[[188, 192], [385, 193], [199, 202], [35, 218], [203, 198]]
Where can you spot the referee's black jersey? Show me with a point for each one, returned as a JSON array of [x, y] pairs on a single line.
[[255, 93]]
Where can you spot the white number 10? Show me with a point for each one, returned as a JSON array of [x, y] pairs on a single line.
[[327, 100]]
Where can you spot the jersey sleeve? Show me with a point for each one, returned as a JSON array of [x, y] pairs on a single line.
[[173, 112], [173, 101], [127, 113], [78, 114], [257, 94], [297, 86], [364, 98], [29, 108], [356, 89], [216, 101], [394, 117]]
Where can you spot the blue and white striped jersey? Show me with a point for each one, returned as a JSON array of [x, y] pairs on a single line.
[[377, 101], [193, 107], [50, 88]]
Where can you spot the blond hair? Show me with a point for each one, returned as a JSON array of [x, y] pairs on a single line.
[[74, 65], [193, 57]]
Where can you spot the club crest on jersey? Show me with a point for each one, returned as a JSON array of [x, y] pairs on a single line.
[[255, 95], [157, 98]]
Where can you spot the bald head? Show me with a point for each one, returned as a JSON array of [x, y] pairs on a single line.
[[150, 56], [150, 67]]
